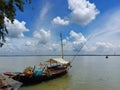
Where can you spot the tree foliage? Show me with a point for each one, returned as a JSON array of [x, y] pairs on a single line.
[[8, 10]]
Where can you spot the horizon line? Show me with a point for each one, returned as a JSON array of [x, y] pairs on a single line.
[[67, 55]]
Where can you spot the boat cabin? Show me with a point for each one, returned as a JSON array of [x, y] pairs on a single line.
[[57, 62]]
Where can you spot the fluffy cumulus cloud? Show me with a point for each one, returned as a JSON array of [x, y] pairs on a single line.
[[38, 44], [105, 39], [75, 41], [77, 36], [78, 40], [42, 35], [41, 43], [60, 21], [17, 29], [82, 11]]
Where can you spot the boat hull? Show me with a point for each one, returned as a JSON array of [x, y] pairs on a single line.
[[37, 79]]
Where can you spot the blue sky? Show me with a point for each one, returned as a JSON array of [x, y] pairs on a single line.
[[94, 23]]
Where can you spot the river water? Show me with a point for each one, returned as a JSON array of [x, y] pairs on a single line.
[[87, 72]]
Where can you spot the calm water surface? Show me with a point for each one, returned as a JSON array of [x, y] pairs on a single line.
[[87, 72]]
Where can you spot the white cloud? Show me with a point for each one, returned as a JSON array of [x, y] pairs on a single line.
[[75, 41], [29, 43], [105, 37], [83, 12], [44, 11], [17, 29], [105, 40], [78, 40], [42, 43], [104, 47], [54, 47], [44, 15], [77, 36], [36, 45], [109, 30], [42, 35], [100, 48], [14, 46], [60, 21]]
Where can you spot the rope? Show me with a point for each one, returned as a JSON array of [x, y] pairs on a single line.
[[83, 44]]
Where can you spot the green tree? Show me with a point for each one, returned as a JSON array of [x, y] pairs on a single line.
[[8, 9]]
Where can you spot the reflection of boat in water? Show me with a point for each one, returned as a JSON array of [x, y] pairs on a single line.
[[50, 69]]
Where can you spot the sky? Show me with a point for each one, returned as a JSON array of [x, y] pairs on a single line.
[[87, 26]]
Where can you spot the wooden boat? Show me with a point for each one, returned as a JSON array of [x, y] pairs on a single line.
[[52, 68]]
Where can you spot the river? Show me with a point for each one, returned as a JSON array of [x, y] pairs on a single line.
[[87, 72]]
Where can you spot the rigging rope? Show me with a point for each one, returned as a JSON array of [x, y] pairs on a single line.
[[83, 44]]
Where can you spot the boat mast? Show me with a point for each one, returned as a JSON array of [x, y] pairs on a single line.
[[61, 45]]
